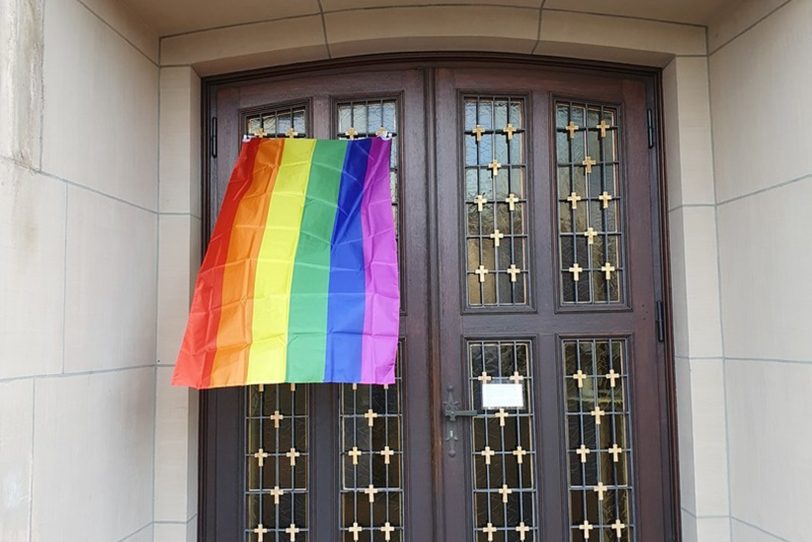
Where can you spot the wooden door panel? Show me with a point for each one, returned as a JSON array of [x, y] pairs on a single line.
[[546, 321], [223, 488]]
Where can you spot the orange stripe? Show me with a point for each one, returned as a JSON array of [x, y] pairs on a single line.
[[199, 347], [234, 335]]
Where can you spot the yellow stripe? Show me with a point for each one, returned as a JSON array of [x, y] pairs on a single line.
[[267, 360]]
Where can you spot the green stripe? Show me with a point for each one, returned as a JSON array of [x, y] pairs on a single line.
[[307, 326]]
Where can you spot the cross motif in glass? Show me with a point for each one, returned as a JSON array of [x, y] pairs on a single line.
[[504, 491], [612, 376], [586, 527], [583, 451], [292, 531], [260, 531], [387, 531], [502, 415], [496, 236], [608, 269], [572, 128], [597, 413], [615, 450], [370, 492], [355, 453], [588, 163], [600, 489], [351, 133], [494, 166], [574, 198], [576, 271], [480, 201], [603, 127], [291, 133], [276, 493], [261, 455], [590, 235], [490, 530], [292, 455], [522, 529], [513, 271], [605, 198], [370, 416], [387, 454], [478, 131], [519, 452], [277, 417], [511, 200], [355, 530], [618, 527], [481, 271], [487, 453], [579, 377], [508, 130]]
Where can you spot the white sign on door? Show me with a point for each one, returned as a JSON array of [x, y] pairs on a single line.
[[502, 396]]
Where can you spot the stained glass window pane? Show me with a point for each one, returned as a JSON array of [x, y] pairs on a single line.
[[599, 444], [502, 444], [495, 171], [589, 199], [371, 461]]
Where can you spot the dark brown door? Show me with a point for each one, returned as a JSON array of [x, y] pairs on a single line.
[[530, 262]]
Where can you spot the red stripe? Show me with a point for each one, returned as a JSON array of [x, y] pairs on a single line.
[[199, 347]]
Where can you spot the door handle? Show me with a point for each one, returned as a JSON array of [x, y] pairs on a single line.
[[452, 411], [451, 408]]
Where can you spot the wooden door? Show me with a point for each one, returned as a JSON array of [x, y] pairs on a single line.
[[528, 223], [547, 278], [327, 462]]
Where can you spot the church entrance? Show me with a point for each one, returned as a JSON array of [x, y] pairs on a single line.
[[533, 378]]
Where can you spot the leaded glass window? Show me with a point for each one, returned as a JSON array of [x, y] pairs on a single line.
[[495, 201], [371, 497], [371, 118], [277, 416], [599, 440], [589, 198], [502, 444], [277, 461], [279, 122]]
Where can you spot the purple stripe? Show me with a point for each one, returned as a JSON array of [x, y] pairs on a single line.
[[382, 307]]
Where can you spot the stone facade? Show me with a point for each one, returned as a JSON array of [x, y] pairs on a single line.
[[100, 207]]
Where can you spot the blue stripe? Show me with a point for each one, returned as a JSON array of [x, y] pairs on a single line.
[[347, 298]]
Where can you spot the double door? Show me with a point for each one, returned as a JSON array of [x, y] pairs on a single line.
[[525, 201]]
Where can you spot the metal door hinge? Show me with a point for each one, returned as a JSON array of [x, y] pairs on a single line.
[[213, 137], [650, 124], [660, 320]]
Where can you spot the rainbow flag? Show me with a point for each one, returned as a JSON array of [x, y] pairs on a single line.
[[300, 279]]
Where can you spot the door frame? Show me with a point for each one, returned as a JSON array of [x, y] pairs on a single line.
[[208, 412]]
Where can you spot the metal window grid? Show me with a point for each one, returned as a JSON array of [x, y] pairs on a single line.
[[500, 360], [592, 288], [595, 358], [360, 519], [483, 114]]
